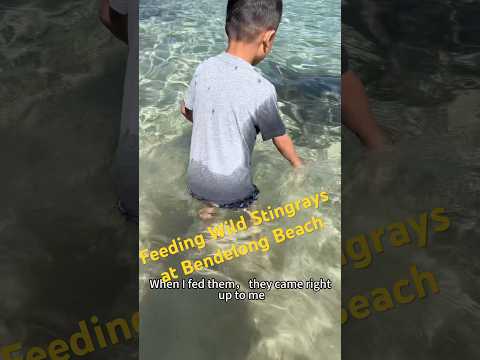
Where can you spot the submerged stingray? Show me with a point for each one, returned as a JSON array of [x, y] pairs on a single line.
[[291, 82]]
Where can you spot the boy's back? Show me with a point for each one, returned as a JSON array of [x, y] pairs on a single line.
[[231, 103]]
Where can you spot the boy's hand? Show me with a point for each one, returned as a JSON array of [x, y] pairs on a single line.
[[285, 146], [298, 165], [187, 113]]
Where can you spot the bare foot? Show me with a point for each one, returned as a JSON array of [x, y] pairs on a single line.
[[207, 213]]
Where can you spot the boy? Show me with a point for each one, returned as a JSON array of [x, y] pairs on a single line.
[[229, 103]]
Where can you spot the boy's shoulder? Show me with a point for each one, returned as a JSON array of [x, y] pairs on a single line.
[[247, 74], [208, 64]]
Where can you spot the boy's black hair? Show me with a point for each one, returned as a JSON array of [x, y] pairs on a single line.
[[246, 18]]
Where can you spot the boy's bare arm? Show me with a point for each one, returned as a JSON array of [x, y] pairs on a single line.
[[187, 113], [285, 146], [113, 21], [356, 112]]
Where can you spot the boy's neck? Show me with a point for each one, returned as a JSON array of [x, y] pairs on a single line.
[[243, 50]]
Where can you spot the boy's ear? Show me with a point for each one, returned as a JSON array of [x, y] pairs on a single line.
[[268, 38], [269, 35]]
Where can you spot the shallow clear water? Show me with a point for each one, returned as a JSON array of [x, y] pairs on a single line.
[[305, 67], [65, 248], [419, 62]]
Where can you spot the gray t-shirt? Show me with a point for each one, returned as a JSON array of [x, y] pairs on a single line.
[[231, 104]]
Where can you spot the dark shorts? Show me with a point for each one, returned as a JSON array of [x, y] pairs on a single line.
[[239, 204]]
